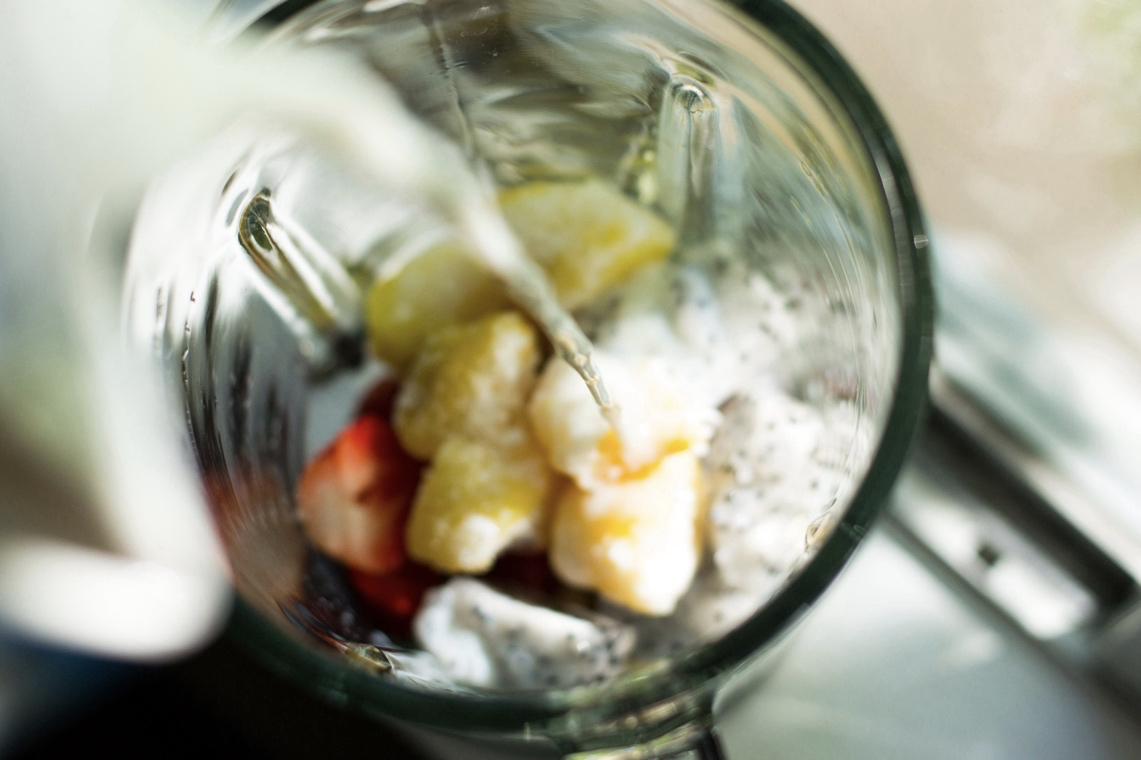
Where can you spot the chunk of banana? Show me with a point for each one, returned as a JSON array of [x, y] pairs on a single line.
[[587, 235], [638, 541], [654, 419], [475, 500], [440, 287], [470, 381]]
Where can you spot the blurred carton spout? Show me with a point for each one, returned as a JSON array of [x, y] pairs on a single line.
[[105, 545]]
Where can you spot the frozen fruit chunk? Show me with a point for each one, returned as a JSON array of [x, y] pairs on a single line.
[[470, 381], [484, 638], [439, 287], [777, 467], [477, 499], [638, 541], [654, 419], [353, 497], [587, 235]]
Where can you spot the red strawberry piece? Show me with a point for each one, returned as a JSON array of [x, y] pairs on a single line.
[[354, 496], [381, 399], [394, 598]]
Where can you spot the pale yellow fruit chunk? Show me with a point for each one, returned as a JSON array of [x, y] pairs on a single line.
[[637, 541], [441, 286], [654, 419], [587, 235], [475, 500], [470, 381]]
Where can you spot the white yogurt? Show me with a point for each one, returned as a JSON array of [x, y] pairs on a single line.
[[484, 638]]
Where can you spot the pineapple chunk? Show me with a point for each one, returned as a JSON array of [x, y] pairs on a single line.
[[587, 235], [475, 500], [637, 541], [442, 286], [470, 381], [654, 420]]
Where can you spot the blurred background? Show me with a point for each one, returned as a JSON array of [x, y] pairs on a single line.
[[1021, 122]]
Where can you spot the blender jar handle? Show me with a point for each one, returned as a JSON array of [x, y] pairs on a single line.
[[1010, 517]]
